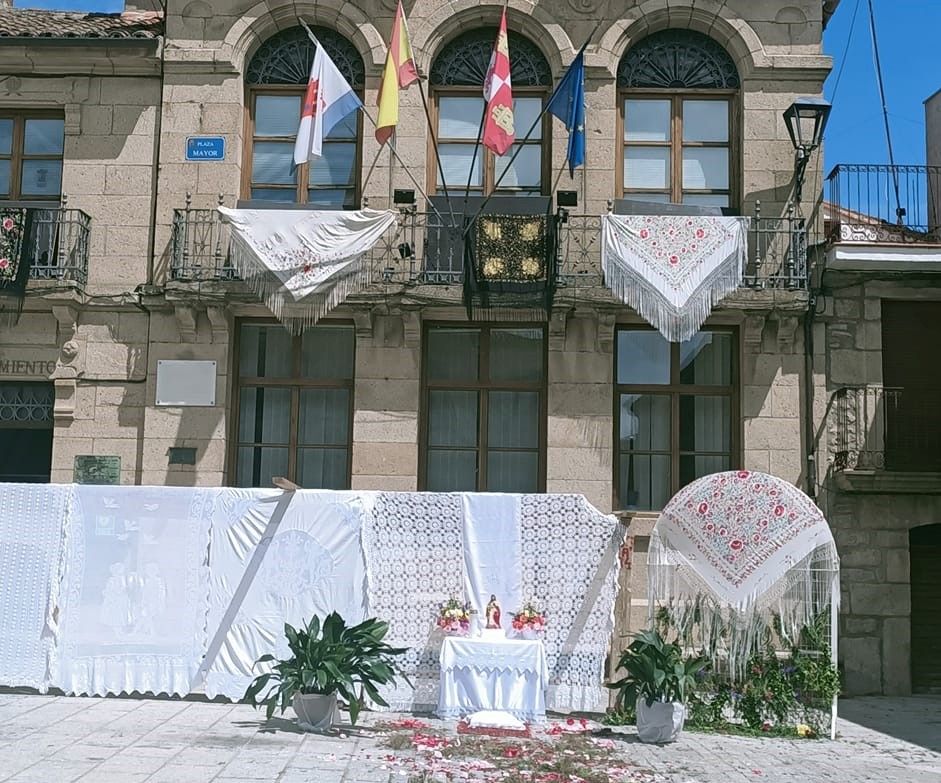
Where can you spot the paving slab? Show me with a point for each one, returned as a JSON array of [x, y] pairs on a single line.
[[58, 739]]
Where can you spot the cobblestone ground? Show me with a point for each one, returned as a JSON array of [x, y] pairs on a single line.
[[45, 739]]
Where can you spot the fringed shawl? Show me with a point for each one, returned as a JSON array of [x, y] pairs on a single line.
[[673, 269], [304, 263], [738, 553]]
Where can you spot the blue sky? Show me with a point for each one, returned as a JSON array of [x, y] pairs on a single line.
[[908, 32]]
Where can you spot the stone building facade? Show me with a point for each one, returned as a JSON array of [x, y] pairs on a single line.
[[130, 267]]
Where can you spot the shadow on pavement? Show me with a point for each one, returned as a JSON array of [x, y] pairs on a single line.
[[914, 719]]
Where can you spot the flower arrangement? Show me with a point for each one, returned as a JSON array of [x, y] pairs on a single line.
[[454, 618], [529, 621]]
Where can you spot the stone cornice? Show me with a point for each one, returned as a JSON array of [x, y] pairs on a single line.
[[29, 57], [883, 482]]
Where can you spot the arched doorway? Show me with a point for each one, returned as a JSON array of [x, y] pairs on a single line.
[[925, 549]]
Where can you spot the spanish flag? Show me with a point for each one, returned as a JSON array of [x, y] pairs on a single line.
[[400, 72]]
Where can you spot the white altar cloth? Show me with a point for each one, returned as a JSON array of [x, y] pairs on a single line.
[[509, 675]]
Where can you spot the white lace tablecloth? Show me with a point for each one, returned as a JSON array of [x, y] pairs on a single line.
[[509, 675]]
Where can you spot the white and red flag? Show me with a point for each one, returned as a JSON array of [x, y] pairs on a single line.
[[498, 93], [328, 100]]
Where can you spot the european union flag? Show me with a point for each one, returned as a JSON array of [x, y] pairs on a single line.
[[568, 104]]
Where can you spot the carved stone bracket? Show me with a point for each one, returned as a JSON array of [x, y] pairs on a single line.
[[751, 332], [73, 119], [411, 324], [63, 408], [606, 332], [186, 322], [219, 324], [363, 322], [787, 330], [70, 364], [557, 330]]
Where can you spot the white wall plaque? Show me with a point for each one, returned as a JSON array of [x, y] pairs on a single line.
[[183, 382]]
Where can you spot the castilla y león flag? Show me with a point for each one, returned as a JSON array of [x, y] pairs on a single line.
[[498, 93], [400, 72], [329, 98]]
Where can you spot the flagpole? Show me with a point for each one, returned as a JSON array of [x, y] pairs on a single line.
[[434, 143], [372, 122], [406, 169], [520, 144]]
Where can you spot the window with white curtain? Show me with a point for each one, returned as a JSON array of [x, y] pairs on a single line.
[[484, 409], [676, 404], [276, 78], [457, 76], [294, 403], [677, 91]]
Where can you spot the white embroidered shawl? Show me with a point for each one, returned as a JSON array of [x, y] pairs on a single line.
[[737, 552], [304, 263], [673, 269]]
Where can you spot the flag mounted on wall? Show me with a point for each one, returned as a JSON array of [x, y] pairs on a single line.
[[568, 104], [399, 73], [328, 100], [499, 135]]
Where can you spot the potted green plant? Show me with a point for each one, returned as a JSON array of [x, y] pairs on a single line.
[[326, 661], [659, 680]]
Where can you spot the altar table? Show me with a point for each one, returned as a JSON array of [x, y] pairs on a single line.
[[509, 675]]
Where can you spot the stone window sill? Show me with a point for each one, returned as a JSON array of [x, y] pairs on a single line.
[[885, 482]]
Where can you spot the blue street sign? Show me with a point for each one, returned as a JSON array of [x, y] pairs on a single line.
[[205, 148]]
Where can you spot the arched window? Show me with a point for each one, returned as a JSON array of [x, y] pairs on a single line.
[[276, 78], [676, 91], [457, 76]]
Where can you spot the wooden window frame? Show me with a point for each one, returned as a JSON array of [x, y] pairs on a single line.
[[296, 384], [301, 185], [676, 144], [18, 155], [488, 165], [483, 386], [675, 390]]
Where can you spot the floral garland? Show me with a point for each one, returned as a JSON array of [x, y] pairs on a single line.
[[11, 235], [454, 618]]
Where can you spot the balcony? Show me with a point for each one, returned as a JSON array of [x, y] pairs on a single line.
[[884, 205], [57, 243], [889, 431], [425, 251]]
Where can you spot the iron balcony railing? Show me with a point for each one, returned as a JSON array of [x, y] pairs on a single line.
[[57, 244], [423, 250], [883, 204], [881, 428]]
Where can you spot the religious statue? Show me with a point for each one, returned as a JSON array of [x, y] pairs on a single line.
[[493, 613]]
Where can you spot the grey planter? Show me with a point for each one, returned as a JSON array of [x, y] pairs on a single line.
[[660, 722], [315, 712]]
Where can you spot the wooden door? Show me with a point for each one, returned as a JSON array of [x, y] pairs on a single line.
[[926, 608]]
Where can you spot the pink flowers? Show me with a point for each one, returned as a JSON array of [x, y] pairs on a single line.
[[779, 511], [736, 544], [4, 263], [644, 233], [743, 474], [700, 233], [674, 260], [8, 224], [703, 508]]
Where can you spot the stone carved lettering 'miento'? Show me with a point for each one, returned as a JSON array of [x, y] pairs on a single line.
[[25, 367]]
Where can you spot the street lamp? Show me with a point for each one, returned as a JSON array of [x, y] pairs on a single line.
[[806, 119]]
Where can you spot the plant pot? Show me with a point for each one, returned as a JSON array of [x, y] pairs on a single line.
[[315, 711], [660, 722]]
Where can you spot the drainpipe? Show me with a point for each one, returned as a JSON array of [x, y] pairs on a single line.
[[811, 457], [155, 179]]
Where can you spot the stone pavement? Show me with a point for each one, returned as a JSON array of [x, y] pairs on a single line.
[[46, 739]]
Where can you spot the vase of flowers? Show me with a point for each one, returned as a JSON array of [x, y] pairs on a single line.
[[529, 622], [454, 618]]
